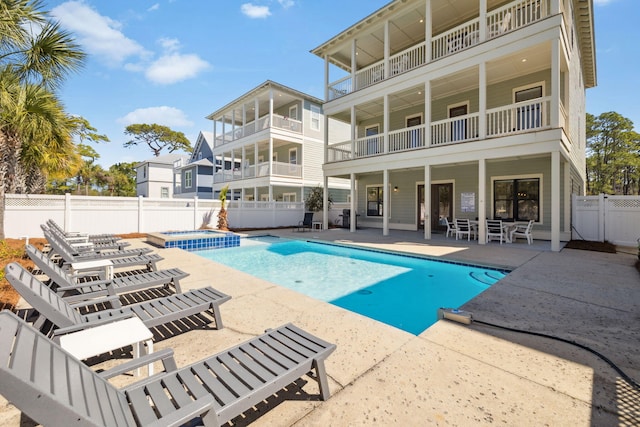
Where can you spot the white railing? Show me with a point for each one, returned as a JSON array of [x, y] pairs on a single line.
[[286, 123], [456, 39], [407, 139], [455, 129], [287, 169], [369, 146], [518, 117], [339, 152], [279, 122], [499, 21]]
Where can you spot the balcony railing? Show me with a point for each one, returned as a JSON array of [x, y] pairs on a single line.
[[279, 122], [260, 170], [499, 21], [511, 119]]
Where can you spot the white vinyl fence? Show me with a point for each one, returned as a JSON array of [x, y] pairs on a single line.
[[120, 215], [614, 219]]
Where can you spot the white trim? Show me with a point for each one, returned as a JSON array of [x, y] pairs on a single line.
[[527, 176], [367, 127], [458, 104], [289, 197], [294, 149], [366, 200], [413, 116], [264, 197], [188, 179], [291, 112]]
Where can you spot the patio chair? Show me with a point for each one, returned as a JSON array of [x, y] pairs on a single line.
[[307, 222], [112, 250], [523, 230], [120, 259], [66, 317], [95, 238], [69, 286], [451, 227], [463, 227], [54, 388], [495, 230]]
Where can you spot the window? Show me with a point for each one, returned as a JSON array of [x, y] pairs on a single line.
[[458, 127], [371, 133], [415, 137], [315, 117], [288, 197], [374, 201], [293, 156], [293, 112], [144, 171], [528, 112], [517, 199], [164, 192], [188, 179]]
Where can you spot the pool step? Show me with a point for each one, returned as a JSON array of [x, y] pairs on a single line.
[[487, 277]]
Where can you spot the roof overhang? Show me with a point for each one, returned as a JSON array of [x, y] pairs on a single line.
[[586, 35]]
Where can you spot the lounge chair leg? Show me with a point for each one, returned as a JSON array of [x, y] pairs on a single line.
[[210, 419], [321, 375], [217, 316]]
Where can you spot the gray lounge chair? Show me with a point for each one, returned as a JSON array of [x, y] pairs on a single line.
[[120, 259], [98, 243], [54, 388], [89, 249], [66, 285], [73, 234], [66, 317]]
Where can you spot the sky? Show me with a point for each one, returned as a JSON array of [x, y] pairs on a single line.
[[173, 62]]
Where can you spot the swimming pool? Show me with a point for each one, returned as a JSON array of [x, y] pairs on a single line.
[[401, 291]]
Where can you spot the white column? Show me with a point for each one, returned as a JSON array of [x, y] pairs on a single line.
[[353, 207], [354, 64], [270, 108], [427, 31], [243, 161], [482, 200], [555, 84], [387, 49], [482, 100], [482, 6], [233, 124], [385, 202], [385, 123], [555, 201], [256, 108], [325, 203], [214, 132], [326, 78], [427, 113], [244, 118], [353, 132], [270, 157], [427, 201]]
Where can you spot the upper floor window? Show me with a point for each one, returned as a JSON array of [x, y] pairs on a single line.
[[293, 112], [188, 179], [144, 171], [164, 192], [315, 117], [293, 156]]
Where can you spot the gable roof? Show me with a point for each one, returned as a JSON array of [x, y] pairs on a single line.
[[166, 159], [204, 137]]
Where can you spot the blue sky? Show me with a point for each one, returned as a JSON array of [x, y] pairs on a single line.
[[173, 62]]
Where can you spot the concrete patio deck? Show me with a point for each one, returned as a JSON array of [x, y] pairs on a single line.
[[450, 374]]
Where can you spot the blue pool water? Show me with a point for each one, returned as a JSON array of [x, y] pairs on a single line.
[[402, 291]]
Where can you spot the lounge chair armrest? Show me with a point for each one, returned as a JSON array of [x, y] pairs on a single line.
[[106, 300], [164, 355], [81, 326]]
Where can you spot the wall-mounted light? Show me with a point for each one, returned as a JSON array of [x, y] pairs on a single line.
[[395, 189]]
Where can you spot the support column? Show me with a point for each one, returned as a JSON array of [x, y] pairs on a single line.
[[326, 78], [325, 203], [427, 113], [353, 207], [482, 204], [353, 132], [555, 201], [555, 84], [566, 226], [385, 202], [387, 49], [482, 100], [385, 123], [354, 65], [427, 201], [482, 10], [427, 32], [256, 117]]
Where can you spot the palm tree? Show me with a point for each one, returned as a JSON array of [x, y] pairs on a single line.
[[35, 132]]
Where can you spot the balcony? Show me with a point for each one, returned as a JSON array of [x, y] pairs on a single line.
[[253, 127], [502, 20], [287, 170], [507, 120]]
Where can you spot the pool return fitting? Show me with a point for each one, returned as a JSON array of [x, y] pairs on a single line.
[[466, 318]]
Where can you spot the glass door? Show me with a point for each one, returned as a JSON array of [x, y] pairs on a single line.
[[441, 205]]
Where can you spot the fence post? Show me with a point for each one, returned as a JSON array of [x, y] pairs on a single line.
[[67, 211], [140, 214], [601, 217], [195, 212]]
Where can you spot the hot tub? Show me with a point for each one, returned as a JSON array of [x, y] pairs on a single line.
[[194, 240]]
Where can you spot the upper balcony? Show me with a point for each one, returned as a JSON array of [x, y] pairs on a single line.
[[411, 43], [268, 121]]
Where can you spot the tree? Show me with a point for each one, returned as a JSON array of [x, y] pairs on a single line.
[[34, 129], [223, 222], [124, 179], [613, 155], [157, 137], [315, 200]]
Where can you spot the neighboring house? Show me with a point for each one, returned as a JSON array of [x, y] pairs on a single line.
[[194, 177], [462, 109], [154, 177], [269, 146]]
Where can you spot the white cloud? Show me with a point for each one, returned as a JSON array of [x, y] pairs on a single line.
[[154, 7], [253, 11], [99, 35], [170, 45], [166, 116], [286, 3], [175, 67]]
